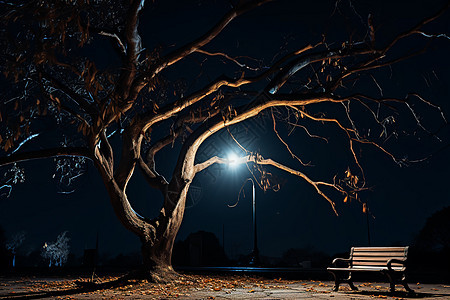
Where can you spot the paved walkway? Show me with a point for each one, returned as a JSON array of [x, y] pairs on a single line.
[[322, 290], [204, 287]]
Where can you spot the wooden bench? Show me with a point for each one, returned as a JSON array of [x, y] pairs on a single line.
[[390, 261]]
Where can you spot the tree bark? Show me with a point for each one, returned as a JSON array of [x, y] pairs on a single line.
[[158, 235], [157, 251]]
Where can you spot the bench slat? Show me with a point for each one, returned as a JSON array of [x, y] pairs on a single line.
[[401, 254], [370, 263], [366, 268], [376, 258], [379, 249]]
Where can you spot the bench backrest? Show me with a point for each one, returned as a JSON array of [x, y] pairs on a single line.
[[377, 256]]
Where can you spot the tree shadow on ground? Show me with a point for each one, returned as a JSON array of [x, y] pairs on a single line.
[[82, 287]]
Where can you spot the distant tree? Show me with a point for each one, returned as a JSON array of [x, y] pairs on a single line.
[[57, 252], [14, 243], [61, 102], [435, 235]]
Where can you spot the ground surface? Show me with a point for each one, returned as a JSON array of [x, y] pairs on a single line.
[[205, 287]]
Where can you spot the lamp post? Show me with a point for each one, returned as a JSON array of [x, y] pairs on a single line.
[[254, 256]]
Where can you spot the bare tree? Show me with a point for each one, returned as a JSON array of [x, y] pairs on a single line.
[[58, 251], [14, 243], [55, 83], [435, 235]]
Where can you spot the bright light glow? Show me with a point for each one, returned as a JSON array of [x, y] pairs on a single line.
[[233, 159]]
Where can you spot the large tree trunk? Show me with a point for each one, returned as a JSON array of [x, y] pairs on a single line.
[[156, 257], [157, 252], [158, 235]]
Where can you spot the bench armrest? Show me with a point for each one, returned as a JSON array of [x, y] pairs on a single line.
[[397, 261], [338, 260]]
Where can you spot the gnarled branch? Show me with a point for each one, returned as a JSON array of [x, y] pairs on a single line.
[[148, 119], [193, 46], [256, 159]]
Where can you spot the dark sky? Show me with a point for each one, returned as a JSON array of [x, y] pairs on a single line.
[[294, 217]]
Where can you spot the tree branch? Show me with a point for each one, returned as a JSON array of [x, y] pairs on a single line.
[[55, 152], [368, 65], [242, 65], [259, 160], [133, 49], [116, 37], [208, 36], [184, 169], [300, 63], [284, 143], [150, 118], [347, 131], [106, 148], [60, 105], [148, 167], [146, 120], [79, 100], [415, 29], [193, 46], [131, 152], [153, 178]]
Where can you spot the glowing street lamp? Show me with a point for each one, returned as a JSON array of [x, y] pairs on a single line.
[[233, 160]]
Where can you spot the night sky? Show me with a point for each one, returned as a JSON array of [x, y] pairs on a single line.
[[400, 201]]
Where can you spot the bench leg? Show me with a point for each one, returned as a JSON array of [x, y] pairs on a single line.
[[336, 282], [350, 282], [405, 285], [391, 281], [352, 286]]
